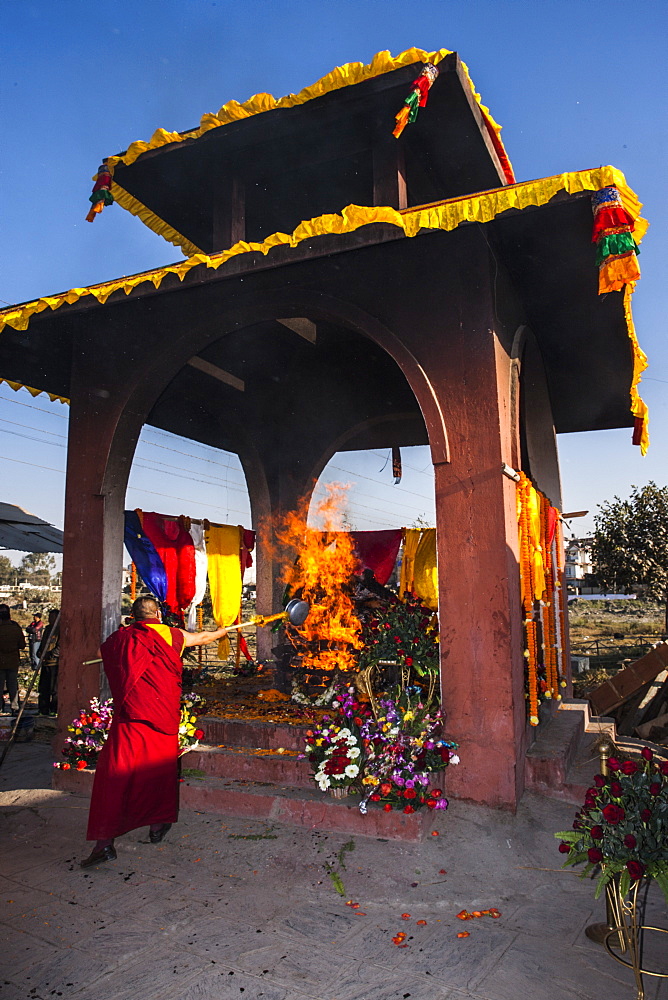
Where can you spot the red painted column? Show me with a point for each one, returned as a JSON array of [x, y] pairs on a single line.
[[93, 548]]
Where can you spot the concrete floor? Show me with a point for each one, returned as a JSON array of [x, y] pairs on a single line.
[[231, 908]]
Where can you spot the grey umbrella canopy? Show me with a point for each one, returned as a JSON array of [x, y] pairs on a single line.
[[27, 533]]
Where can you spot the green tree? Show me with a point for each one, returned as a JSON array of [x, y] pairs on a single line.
[[631, 543], [7, 570], [37, 568]]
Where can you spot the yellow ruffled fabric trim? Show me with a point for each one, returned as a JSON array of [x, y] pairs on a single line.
[[35, 392], [341, 76], [446, 215]]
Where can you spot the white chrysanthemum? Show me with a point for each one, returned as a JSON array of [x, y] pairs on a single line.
[[354, 753], [344, 733], [352, 771], [323, 783], [454, 759]]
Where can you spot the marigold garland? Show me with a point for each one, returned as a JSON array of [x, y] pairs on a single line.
[[542, 595]]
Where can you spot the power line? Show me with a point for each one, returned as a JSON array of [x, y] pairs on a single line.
[[169, 496]]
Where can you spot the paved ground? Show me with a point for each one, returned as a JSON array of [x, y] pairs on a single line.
[[226, 908]]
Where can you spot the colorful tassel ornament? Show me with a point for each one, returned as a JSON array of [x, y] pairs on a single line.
[[616, 250], [416, 99], [101, 196]]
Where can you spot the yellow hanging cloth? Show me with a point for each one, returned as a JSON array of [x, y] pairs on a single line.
[[537, 556], [411, 540], [425, 580], [223, 545]]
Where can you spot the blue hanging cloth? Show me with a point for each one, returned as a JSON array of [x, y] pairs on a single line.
[[149, 565]]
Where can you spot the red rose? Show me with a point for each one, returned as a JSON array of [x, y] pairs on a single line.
[[596, 832], [409, 809], [409, 661], [431, 803], [613, 764], [636, 869], [199, 733], [80, 765], [646, 753], [375, 797], [387, 807], [66, 766], [385, 788], [436, 792], [563, 847], [630, 841], [616, 789], [645, 815], [655, 788], [613, 814], [600, 781], [410, 793], [595, 854], [629, 767], [663, 767]]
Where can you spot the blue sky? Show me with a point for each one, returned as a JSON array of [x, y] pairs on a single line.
[[575, 85]]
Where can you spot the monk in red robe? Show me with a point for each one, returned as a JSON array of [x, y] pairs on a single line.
[[136, 779]]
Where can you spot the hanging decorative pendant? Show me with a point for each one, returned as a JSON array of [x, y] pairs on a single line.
[[101, 196], [416, 99]]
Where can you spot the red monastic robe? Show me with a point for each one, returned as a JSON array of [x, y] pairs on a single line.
[[136, 780]]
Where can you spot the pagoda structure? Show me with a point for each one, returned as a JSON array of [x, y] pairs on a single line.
[[348, 285]]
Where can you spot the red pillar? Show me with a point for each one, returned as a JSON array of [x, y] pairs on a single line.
[[93, 546]]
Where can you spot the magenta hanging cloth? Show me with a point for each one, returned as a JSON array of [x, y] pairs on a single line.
[[378, 551]]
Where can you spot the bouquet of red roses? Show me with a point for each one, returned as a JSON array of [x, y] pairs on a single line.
[[623, 824]]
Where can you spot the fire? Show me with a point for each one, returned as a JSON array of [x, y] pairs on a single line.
[[322, 575]]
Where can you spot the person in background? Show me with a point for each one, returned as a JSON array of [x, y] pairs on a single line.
[[47, 690], [136, 778], [34, 631], [12, 641]]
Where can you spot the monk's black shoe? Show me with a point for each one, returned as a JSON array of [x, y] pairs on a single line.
[[97, 856], [155, 836]]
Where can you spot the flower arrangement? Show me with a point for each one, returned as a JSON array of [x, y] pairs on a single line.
[[189, 734], [402, 747], [88, 733], [335, 754], [623, 824], [391, 756], [86, 736], [405, 632]]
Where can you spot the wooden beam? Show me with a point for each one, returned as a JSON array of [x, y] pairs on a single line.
[[303, 327], [389, 174], [215, 372], [229, 214]]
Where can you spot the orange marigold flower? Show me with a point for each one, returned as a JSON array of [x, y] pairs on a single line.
[[464, 934], [463, 915], [422, 923], [405, 916]]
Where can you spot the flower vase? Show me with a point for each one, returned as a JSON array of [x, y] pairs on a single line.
[[626, 936], [338, 792]]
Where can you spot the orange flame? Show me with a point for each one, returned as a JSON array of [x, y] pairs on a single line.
[[326, 563]]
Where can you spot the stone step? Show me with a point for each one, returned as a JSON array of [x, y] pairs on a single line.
[[255, 734], [550, 756], [243, 763], [273, 803], [306, 807]]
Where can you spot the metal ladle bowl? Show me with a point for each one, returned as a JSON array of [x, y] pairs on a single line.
[[297, 612]]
